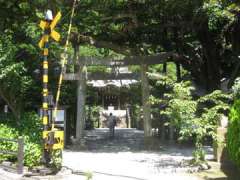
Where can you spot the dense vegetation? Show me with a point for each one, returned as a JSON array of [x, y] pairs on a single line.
[[234, 127], [195, 116], [203, 35], [233, 134], [30, 130]]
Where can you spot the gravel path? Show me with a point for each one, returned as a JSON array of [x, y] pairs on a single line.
[[124, 157]]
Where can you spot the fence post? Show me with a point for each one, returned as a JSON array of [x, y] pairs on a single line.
[[20, 155]]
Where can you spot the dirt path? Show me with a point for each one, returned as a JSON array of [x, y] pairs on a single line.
[[124, 157]]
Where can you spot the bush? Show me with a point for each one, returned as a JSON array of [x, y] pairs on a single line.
[[8, 133], [30, 129], [233, 133], [197, 118]]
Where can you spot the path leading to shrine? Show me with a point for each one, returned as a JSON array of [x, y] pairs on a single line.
[[124, 157]]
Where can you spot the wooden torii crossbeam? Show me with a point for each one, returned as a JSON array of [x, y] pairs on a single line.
[[127, 61], [103, 76]]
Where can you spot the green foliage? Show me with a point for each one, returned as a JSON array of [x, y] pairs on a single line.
[[93, 114], [137, 116], [56, 160], [236, 88], [198, 156], [87, 50], [9, 133], [181, 108], [131, 28], [195, 118], [212, 106], [117, 27], [171, 72], [161, 84], [31, 126], [233, 133], [32, 152], [217, 13], [214, 98], [30, 130], [14, 82]]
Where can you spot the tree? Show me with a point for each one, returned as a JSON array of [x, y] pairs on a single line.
[[18, 54], [203, 33], [13, 79], [196, 30]]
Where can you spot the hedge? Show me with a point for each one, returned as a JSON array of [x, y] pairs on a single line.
[[233, 133]]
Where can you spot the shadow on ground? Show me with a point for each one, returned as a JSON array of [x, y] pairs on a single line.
[[128, 149], [231, 171], [227, 171]]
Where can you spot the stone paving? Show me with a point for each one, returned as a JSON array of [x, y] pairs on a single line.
[[124, 157]]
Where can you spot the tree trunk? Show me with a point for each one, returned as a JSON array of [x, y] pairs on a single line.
[[13, 107], [145, 102], [178, 71], [211, 52], [164, 68]]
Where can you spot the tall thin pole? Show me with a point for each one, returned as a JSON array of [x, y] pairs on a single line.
[[63, 63], [45, 104], [45, 81], [48, 136]]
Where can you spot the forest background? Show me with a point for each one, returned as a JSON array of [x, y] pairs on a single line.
[[203, 35]]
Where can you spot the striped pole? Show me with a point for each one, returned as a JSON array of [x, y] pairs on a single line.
[[45, 105], [45, 80], [52, 139]]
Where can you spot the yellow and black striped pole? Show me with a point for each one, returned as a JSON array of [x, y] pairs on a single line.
[[52, 138], [45, 80], [48, 26], [45, 105]]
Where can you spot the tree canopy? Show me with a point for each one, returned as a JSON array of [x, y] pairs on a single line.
[[204, 34]]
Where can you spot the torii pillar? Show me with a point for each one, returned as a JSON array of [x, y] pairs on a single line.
[[81, 99], [147, 123]]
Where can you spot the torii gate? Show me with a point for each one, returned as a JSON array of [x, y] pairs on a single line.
[[81, 76]]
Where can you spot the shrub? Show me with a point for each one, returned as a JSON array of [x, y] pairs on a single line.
[[31, 125], [30, 129], [233, 133], [195, 118], [32, 153], [8, 133]]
